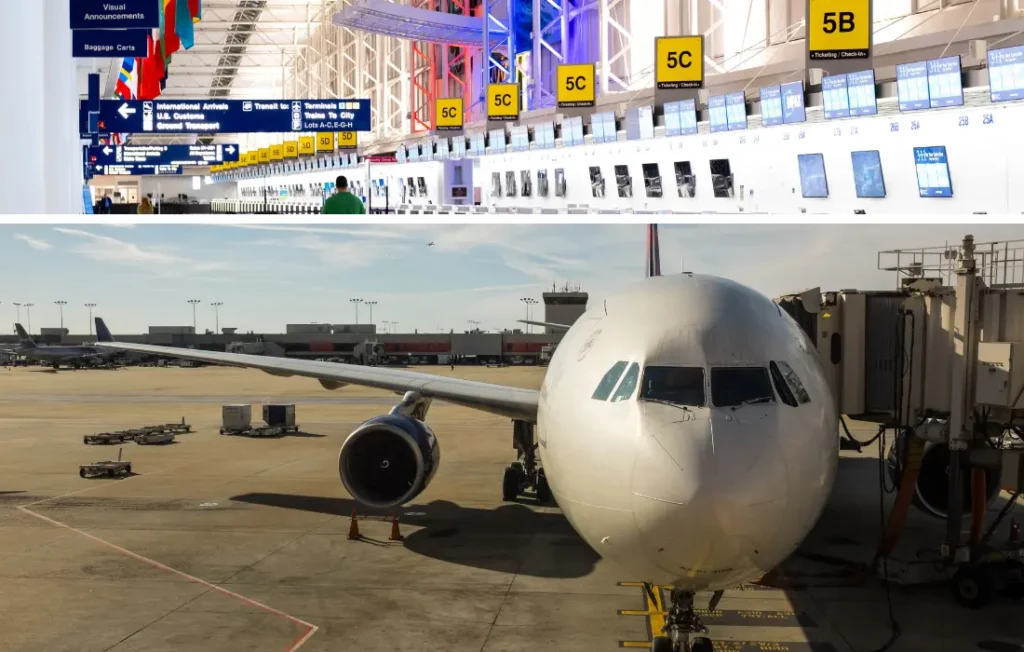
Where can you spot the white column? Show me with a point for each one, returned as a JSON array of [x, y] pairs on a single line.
[[62, 153]]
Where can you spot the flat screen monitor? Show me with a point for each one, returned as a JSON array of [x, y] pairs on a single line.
[[400, 154], [681, 118], [861, 89], [442, 147], [544, 135], [572, 131], [476, 144], [793, 103], [498, 141], [771, 105], [933, 172], [1006, 74], [520, 139], [912, 86], [718, 116], [736, 110], [834, 96], [427, 151], [413, 152], [458, 146], [868, 179], [813, 182], [945, 86], [640, 123], [603, 128]]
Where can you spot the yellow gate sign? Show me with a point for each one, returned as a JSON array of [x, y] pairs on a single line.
[[348, 139], [449, 114], [277, 152], [576, 85], [503, 102], [307, 145], [264, 155], [838, 29], [679, 62], [325, 141], [291, 149]]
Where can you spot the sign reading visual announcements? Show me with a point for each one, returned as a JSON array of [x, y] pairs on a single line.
[[839, 35], [449, 114], [348, 140], [503, 102], [233, 116], [115, 14], [679, 62], [89, 43], [163, 154], [576, 86]]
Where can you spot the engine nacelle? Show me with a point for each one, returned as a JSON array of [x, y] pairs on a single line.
[[388, 460], [931, 495], [332, 384]]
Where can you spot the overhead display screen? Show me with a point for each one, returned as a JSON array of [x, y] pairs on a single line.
[[458, 146], [736, 110], [400, 154], [476, 144], [520, 139], [640, 123], [835, 97], [912, 86], [867, 174], [813, 183], [718, 115], [861, 90], [771, 105], [498, 140], [793, 103], [681, 118], [945, 86], [572, 131], [1006, 74], [603, 128], [933, 172], [544, 135]]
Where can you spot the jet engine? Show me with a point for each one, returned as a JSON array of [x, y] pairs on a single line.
[[389, 460], [931, 495]]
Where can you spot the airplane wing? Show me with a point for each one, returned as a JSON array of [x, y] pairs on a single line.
[[511, 402], [545, 324]]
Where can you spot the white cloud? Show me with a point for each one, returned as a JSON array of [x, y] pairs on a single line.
[[39, 245], [104, 248]]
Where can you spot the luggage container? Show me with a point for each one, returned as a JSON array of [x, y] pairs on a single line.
[[235, 418], [280, 415]]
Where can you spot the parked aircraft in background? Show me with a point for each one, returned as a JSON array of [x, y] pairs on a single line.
[[56, 355]]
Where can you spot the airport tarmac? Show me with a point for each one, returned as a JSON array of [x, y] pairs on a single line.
[[229, 543]]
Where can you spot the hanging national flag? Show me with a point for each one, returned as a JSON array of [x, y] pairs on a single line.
[[183, 25], [168, 33], [127, 81], [195, 7], [151, 72]]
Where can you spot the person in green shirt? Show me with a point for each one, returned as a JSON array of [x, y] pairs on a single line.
[[343, 202]]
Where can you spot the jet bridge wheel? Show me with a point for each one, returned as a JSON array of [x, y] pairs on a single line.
[[510, 482], [973, 587]]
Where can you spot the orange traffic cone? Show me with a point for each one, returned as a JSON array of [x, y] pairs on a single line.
[[353, 528], [395, 534]]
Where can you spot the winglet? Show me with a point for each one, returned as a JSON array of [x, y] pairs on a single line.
[[653, 251], [102, 332]]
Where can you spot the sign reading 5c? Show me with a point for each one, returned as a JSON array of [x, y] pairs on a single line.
[[449, 114], [503, 102], [679, 62], [576, 85]]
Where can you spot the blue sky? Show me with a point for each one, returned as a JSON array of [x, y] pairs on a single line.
[[269, 276]]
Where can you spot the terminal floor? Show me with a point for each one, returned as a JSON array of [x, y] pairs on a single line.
[[227, 543]]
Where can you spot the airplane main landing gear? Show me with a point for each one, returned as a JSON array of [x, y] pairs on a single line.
[[681, 622], [524, 476]]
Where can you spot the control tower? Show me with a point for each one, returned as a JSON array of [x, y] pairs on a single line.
[[564, 306]]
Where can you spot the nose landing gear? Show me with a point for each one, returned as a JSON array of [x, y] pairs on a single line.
[[524, 475], [681, 622]]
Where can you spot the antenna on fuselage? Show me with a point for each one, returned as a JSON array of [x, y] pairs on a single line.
[[653, 251]]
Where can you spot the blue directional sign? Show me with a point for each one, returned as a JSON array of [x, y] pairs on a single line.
[[164, 154], [88, 43], [115, 14], [209, 116], [135, 170]]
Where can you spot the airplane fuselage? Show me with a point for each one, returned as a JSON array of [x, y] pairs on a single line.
[[700, 492]]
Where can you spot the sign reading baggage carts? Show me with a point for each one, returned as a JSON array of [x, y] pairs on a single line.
[[88, 43], [576, 85], [325, 142], [291, 149], [839, 30], [450, 116], [307, 145], [679, 62], [503, 102], [348, 140], [115, 14]]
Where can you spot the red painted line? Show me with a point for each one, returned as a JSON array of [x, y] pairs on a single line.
[[191, 578]]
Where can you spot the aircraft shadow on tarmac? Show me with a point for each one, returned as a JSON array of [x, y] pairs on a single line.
[[511, 538]]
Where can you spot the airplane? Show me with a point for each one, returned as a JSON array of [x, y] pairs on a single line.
[[430, 244], [685, 428], [56, 354]]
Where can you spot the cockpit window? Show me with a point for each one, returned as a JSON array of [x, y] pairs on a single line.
[[793, 381], [737, 386], [781, 386], [604, 389], [676, 385], [628, 384]]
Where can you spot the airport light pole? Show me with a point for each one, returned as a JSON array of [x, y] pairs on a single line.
[[216, 315], [355, 303], [60, 305], [529, 302], [473, 324], [194, 302], [18, 306], [90, 306], [28, 311], [371, 304]]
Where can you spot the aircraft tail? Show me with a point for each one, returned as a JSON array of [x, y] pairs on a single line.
[[653, 251], [102, 332], [26, 340]]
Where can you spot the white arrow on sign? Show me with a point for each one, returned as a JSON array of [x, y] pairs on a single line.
[[230, 149], [107, 151], [126, 111]]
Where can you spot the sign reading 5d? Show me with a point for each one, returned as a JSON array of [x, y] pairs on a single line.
[[325, 141], [449, 114], [348, 140], [291, 149], [576, 85], [503, 102], [307, 145], [679, 62], [838, 29]]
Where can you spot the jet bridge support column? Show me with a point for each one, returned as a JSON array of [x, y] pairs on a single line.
[[966, 336]]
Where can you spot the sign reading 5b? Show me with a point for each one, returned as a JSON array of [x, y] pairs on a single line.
[[576, 85], [503, 102], [449, 115], [838, 29], [679, 62]]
